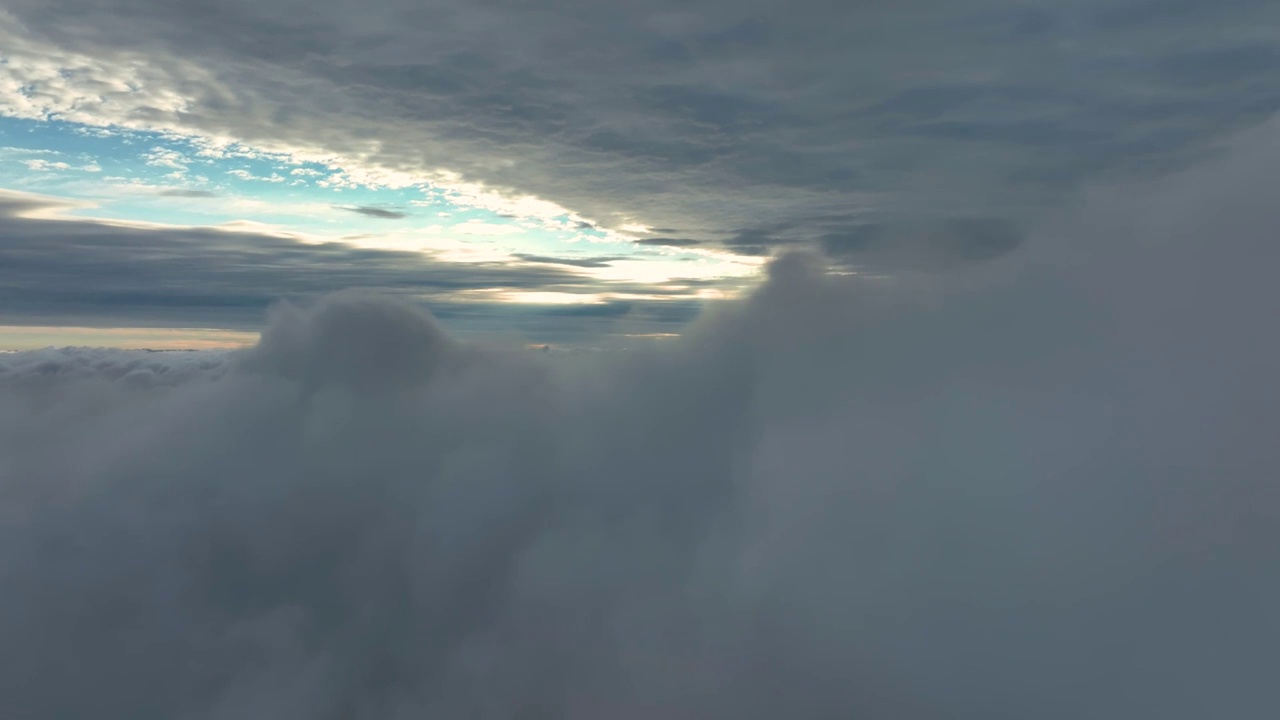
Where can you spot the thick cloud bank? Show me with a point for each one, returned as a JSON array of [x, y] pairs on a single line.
[[1043, 488]]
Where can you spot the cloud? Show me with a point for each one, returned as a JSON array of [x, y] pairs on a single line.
[[51, 368], [29, 206], [242, 174], [42, 165], [45, 164], [167, 158], [378, 212], [668, 242], [587, 262], [725, 115], [8, 149], [1039, 486], [189, 193], [922, 244], [56, 270]]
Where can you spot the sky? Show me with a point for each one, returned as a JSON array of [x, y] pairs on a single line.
[[571, 173], [899, 361]]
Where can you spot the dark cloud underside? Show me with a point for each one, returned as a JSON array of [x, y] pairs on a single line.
[[188, 193], [586, 262], [377, 212]]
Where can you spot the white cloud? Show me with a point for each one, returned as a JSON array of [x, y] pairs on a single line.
[[42, 165], [246, 175], [28, 151], [167, 158]]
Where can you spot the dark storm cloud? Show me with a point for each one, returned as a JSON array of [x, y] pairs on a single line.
[[1036, 487], [377, 212], [67, 272], [715, 114]]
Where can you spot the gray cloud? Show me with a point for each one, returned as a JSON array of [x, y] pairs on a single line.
[[668, 242], [720, 114], [82, 272], [587, 262], [378, 212], [923, 244], [1039, 486], [188, 193]]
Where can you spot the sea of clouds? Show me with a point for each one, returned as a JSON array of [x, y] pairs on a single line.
[[1040, 487]]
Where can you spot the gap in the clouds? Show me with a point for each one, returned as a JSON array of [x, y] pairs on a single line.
[[523, 273], [159, 177]]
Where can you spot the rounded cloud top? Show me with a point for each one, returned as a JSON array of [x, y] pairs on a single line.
[[353, 339]]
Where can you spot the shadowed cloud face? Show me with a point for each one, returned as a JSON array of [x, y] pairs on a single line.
[[590, 262], [1040, 487], [376, 212], [922, 244]]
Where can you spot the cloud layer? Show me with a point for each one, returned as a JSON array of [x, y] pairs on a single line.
[[754, 125], [60, 270], [1039, 488]]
